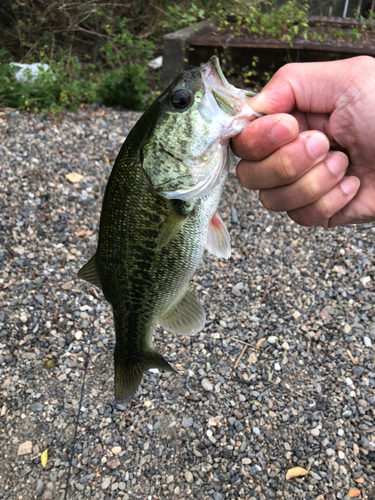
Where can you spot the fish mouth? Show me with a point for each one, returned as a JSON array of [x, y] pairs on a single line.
[[228, 98]]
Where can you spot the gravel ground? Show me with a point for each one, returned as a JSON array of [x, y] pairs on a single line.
[[296, 303]]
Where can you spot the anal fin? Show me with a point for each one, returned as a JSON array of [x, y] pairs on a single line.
[[89, 273], [218, 239], [185, 316]]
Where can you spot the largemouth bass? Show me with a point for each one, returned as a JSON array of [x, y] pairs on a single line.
[[159, 214]]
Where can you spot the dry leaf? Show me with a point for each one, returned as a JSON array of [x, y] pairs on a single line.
[[354, 492], [296, 472], [74, 177], [44, 458]]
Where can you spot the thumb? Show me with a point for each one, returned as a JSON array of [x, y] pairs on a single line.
[[310, 87]]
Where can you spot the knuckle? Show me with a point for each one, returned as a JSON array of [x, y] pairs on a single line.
[[267, 201], [284, 168]]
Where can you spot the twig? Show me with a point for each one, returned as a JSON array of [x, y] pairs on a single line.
[[353, 360], [240, 357], [267, 285], [246, 343]]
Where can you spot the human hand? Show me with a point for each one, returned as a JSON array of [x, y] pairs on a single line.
[[318, 162]]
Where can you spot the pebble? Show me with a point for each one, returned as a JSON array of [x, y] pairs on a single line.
[[39, 488], [272, 340], [187, 422], [367, 341], [315, 432], [106, 483], [362, 403], [277, 367], [207, 386], [189, 477]]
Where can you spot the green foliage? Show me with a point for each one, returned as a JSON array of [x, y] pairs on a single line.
[[265, 18], [126, 87], [55, 90], [176, 17]]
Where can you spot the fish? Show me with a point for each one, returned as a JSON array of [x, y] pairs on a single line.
[[159, 213]]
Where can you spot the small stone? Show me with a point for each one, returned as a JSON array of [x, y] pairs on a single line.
[[362, 403], [113, 464], [48, 495], [50, 486], [296, 314], [330, 452], [285, 345], [187, 422], [36, 407], [273, 339], [116, 450], [347, 328], [340, 432], [341, 454], [246, 461], [189, 477], [78, 335], [256, 431], [315, 432], [170, 479], [277, 367], [315, 475], [367, 341], [39, 488], [25, 448], [206, 384], [349, 381], [347, 413], [106, 483]]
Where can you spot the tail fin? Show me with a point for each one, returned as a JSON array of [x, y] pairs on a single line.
[[129, 371]]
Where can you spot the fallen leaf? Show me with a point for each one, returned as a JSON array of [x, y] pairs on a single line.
[[50, 361], [44, 458], [296, 472], [25, 448], [260, 342], [354, 492], [74, 177]]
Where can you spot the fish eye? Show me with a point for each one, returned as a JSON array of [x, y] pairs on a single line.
[[181, 98]]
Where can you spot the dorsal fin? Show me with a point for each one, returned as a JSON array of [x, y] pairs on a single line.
[[185, 316], [89, 273]]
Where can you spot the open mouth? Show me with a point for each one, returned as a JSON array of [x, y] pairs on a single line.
[[225, 94]]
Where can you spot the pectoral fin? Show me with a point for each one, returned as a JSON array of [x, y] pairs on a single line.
[[185, 316], [218, 239], [172, 224], [89, 273]]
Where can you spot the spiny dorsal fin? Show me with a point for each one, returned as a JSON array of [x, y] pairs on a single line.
[[185, 316], [218, 239], [89, 273], [129, 371]]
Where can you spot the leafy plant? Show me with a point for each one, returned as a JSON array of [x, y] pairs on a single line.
[[176, 17]]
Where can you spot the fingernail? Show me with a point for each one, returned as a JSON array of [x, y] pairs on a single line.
[[337, 162], [282, 132], [349, 185], [317, 145]]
